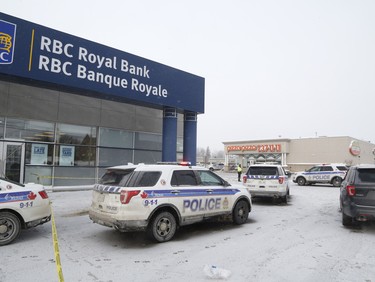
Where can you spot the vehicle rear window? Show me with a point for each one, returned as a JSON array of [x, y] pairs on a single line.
[[116, 177], [366, 175], [262, 170]]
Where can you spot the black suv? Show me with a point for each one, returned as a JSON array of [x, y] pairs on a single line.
[[357, 194]]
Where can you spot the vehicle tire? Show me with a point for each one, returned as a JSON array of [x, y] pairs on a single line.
[[163, 226], [241, 212], [10, 227], [285, 199], [301, 181], [336, 182], [346, 220]]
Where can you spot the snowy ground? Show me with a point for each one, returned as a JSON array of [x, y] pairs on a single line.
[[301, 241]]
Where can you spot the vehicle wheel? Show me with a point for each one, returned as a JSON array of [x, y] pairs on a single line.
[[163, 227], [241, 212], [10, 227], [301, 181], [346, 220], [285, 199], [336, 181]]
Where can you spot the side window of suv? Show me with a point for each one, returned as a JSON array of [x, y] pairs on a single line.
[[342, 168], [313, 169], [183, 177], [209, 179], [326, 168], [144, 179]]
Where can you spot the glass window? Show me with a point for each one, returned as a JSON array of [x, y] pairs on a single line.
[[76, 134], [30, 130], [116, 177], [342, 168], [149, 157], [38, 174], [315, 168], [184, 177], [209, 179], [326, 168], [260, 170], [75, 155], [366, 175], [144, 179], [72, 176], [39, 154], [2, 126], [148, 141], [111, 157], [116, 138]]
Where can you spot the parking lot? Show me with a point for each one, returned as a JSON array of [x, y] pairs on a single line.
[[301, 241]]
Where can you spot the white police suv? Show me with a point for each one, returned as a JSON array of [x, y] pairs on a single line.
[[21, 206], [325, 173], [160, 198], [267, 180]]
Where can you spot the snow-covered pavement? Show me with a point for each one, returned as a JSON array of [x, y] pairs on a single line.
[[301, 241]]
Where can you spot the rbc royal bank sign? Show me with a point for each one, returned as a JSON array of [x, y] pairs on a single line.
[[32, 51]]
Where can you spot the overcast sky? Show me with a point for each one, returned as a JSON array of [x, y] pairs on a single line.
[[272, 68]]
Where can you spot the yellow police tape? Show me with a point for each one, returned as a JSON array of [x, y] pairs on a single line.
[[56, 249]]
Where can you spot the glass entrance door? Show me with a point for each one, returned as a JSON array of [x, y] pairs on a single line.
[[13, 155]]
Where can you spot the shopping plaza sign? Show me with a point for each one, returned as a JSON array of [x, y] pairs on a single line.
[[261, 148], [31, 51]]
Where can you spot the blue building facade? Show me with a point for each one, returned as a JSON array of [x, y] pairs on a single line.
[[71, 107]]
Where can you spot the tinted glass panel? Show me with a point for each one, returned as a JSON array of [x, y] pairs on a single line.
[[115, 177], [111, 157], [148, 141], [116, 138], [2, 122], [342, 168], [75, 155], [75, 134], [262, 171], [183, 177], [150, 157], [366, 175], [30, 130], [209, 179], [326, 168], [148, 179]]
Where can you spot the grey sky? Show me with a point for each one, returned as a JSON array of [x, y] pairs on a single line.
[[272, 68]]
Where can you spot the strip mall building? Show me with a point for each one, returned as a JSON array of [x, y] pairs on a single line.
[[72, 107], [300, 154]]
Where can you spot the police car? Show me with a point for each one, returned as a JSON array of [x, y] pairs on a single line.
[[325, 173], [21, 207], [267, 180], [159, 198]]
